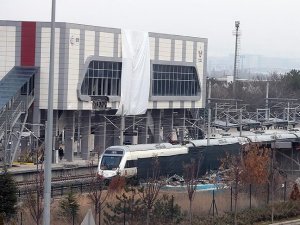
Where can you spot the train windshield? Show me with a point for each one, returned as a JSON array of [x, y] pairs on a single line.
[[110, 162]]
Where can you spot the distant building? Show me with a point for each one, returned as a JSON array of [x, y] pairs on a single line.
[[251, 65]]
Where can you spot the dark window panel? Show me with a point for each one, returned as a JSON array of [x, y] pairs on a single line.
[[102, 78], [174, 80]]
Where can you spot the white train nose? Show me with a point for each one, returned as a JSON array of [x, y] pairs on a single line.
[[108, 173]]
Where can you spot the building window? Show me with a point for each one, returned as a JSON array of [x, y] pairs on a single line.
[[102, 78], [172, 80]]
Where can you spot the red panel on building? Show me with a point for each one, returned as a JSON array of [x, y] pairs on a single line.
[[28, 43]]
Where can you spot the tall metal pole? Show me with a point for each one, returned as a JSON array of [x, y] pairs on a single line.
[[216, 111], [122, 127], [48, 150], [209, 113], [272, 181], [288, 115], [267, 102], [6, 160], [240, 121], [237, 25], [79, 133]]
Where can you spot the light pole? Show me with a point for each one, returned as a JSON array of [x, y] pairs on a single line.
[[209, 113], [49, 133], [237, 25]]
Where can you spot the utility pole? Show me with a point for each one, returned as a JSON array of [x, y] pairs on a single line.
[[267, 102], [122, 126], [6, 160], [216, 111], [49, 133], [209, 112], [79, 132], [237, 34], [288, 115], [272, 177], [240, 121]]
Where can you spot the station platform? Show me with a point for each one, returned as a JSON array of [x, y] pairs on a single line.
[[26, 171]]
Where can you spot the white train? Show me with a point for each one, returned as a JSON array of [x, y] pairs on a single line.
[[136, 160]]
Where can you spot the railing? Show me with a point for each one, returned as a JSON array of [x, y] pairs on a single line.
[[10, 113], [17, 104], [16, 113], [15, 149]]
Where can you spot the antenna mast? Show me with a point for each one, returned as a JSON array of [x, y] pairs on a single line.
[[236, 55]]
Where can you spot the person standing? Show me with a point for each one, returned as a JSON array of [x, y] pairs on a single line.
[[60, 153]]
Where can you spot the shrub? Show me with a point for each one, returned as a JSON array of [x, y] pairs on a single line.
[[69, 207], [128, 207], [165, 212], [8, 196]]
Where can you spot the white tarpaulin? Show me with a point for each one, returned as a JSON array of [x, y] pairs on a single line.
[[88, 219], [135, 81]]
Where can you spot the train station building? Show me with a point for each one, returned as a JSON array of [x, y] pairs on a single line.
[[87, 88]]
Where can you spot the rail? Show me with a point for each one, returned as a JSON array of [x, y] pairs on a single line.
[[56, 180]]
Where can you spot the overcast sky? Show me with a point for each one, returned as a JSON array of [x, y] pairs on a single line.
[[269, 27]]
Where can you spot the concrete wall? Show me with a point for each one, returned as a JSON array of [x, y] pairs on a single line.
[[9, 46]]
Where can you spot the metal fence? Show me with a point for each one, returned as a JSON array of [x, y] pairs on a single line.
[[57, 190], [219, 201], [210, 202]]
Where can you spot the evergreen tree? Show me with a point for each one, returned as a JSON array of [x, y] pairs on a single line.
[[128, 208], [165, 211], [8, 195], [69, 207]]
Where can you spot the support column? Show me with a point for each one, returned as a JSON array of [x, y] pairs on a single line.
[[114, 131], [36, 120], [55, 141], [168, 124], [128, 128], [156, 115], [85, 131], [97, 133], [69, 135], [143, 128], [103, 133], [181, 122]]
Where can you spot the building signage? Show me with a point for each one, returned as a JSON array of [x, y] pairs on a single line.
[[74, 40]]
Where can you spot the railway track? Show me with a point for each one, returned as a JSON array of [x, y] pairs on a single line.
[[57, 180], [59, 186]]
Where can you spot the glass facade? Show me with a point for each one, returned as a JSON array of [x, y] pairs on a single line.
[[173, 80], [103, 78]]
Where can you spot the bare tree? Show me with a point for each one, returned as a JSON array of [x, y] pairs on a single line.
[[34, 197], [97, 193], [150, 190], [232, 169], [191, 171]]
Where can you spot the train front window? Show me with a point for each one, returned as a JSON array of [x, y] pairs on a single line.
[[110, 162]]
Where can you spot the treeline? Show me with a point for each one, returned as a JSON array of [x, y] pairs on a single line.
[[253, 92]]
